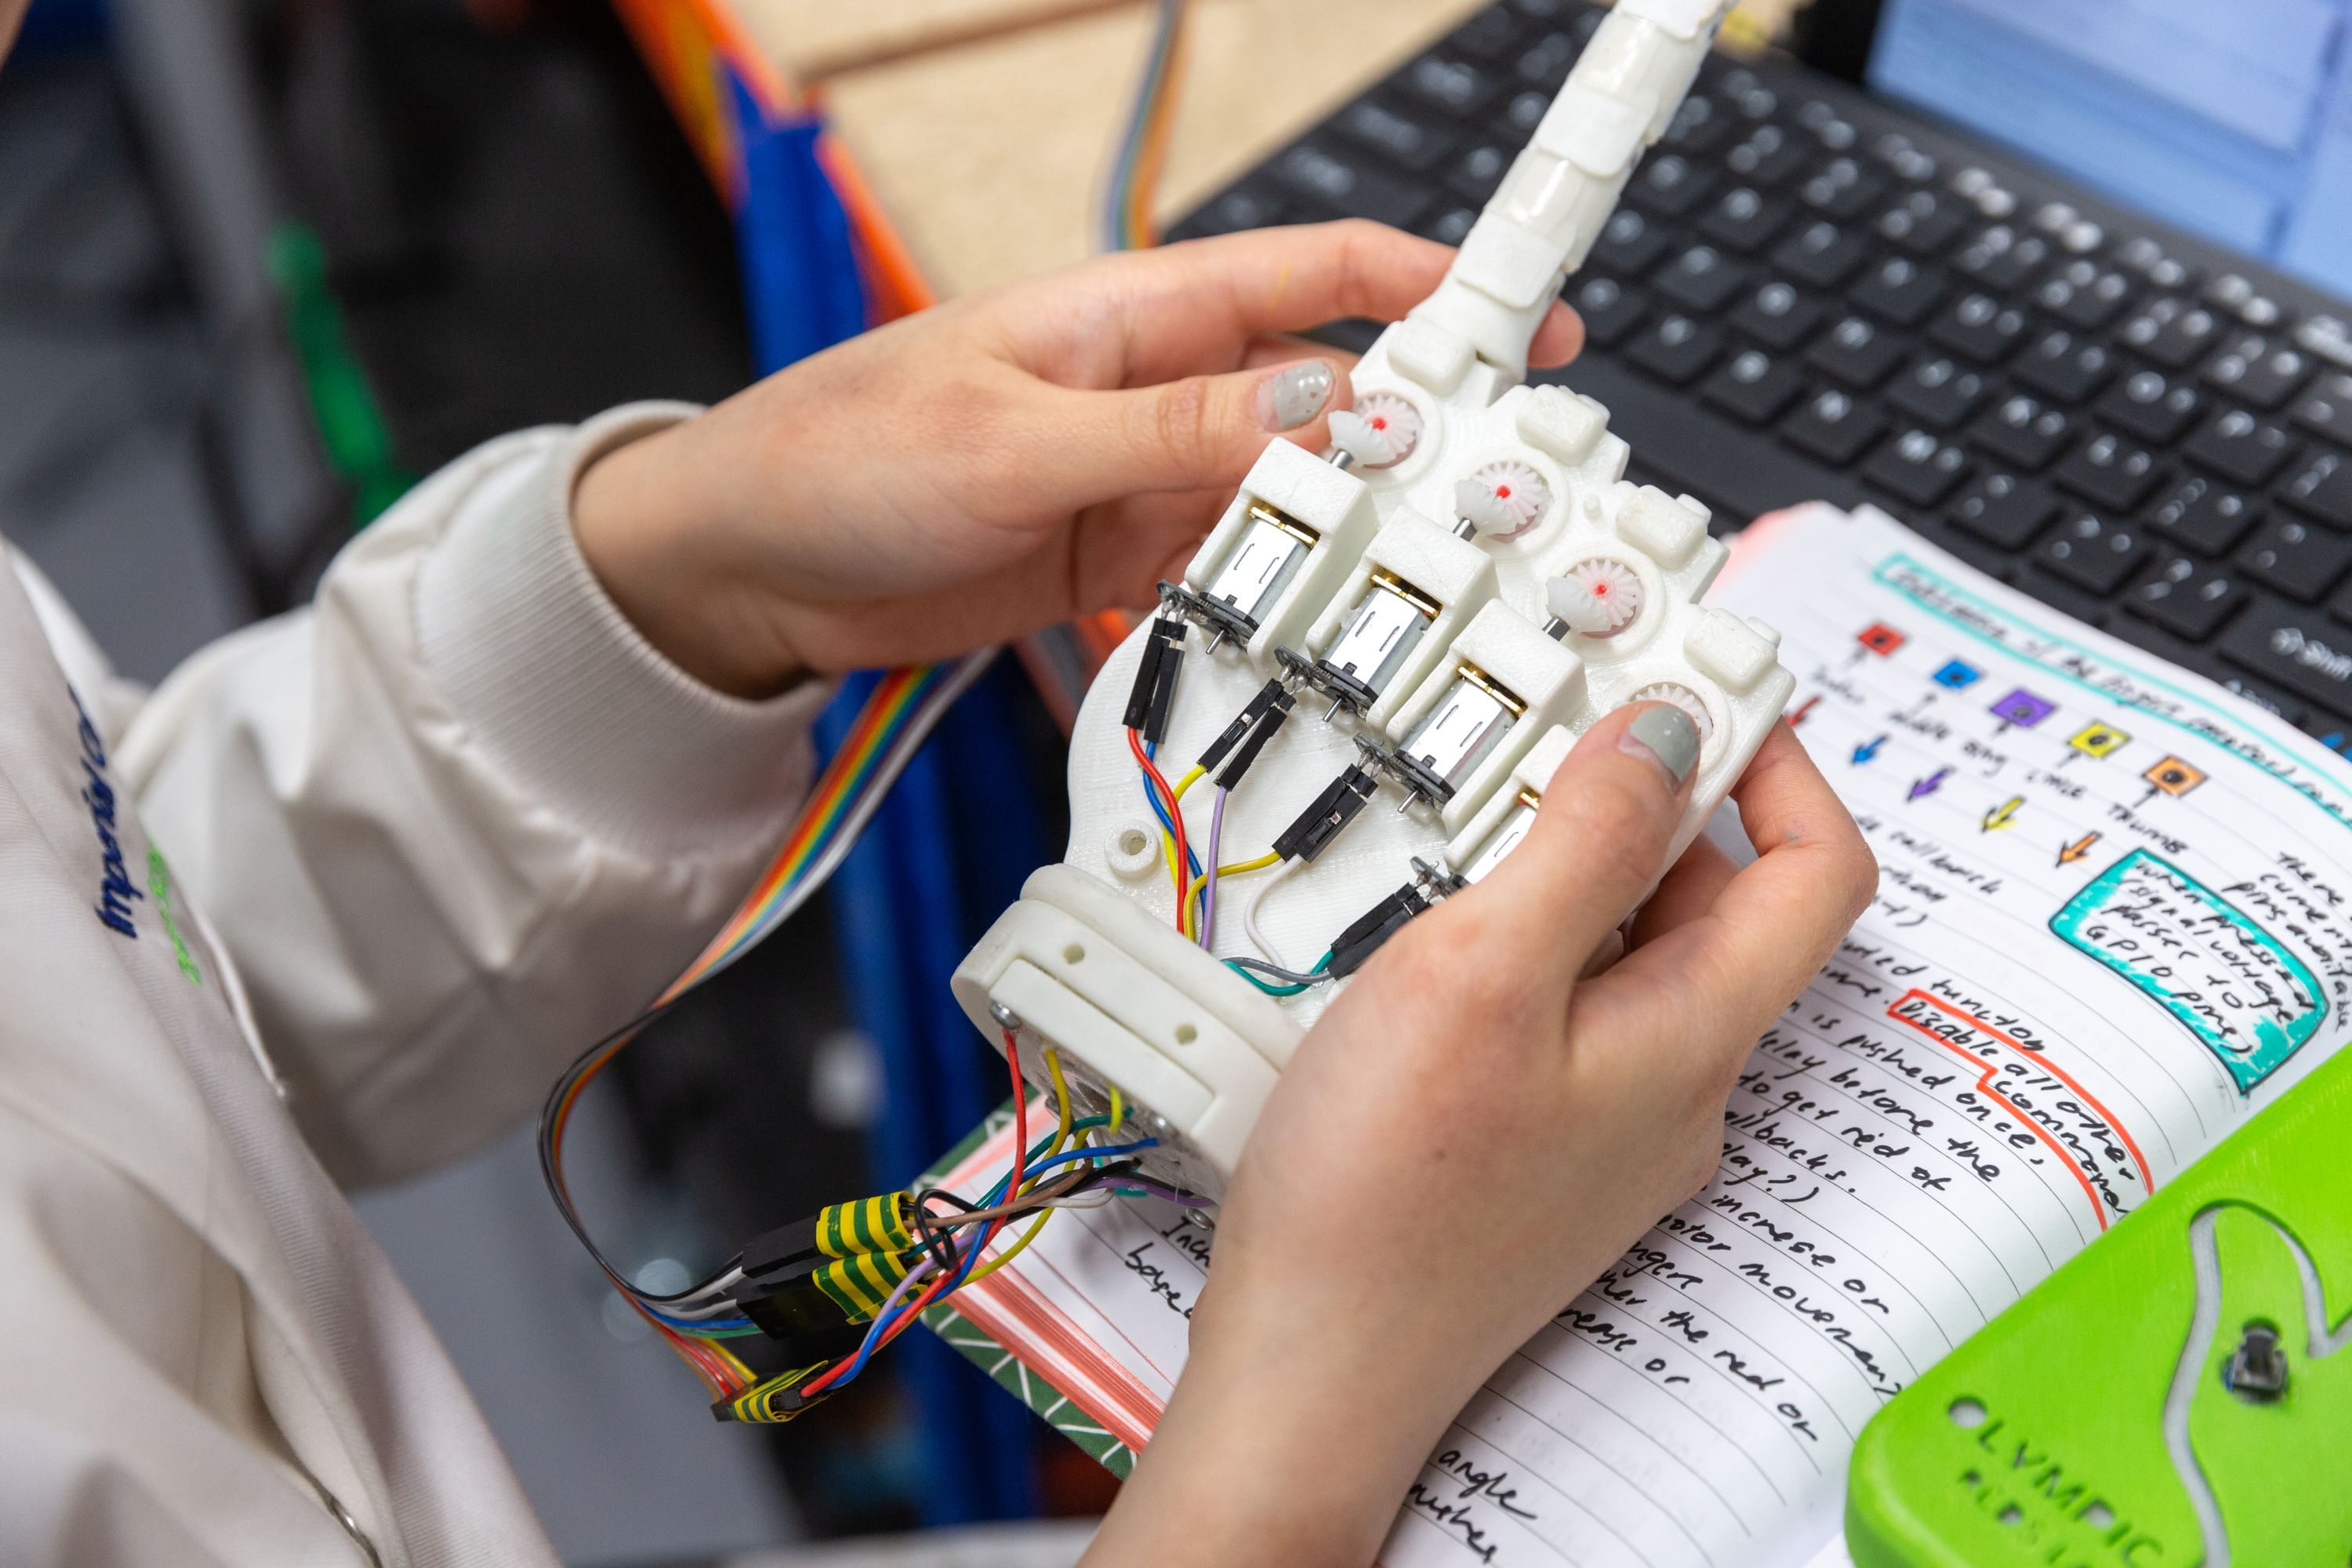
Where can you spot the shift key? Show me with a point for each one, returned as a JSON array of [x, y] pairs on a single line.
[[2295, 647]]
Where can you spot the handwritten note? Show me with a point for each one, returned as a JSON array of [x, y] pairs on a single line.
[[2110, 924]]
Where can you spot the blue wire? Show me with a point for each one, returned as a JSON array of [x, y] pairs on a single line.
[[1151, 796], [882, 1324]]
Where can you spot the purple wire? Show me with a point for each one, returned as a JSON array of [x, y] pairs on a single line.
[[1209, 896], [1160, 1189]]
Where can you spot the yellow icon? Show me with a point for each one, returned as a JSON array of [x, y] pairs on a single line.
[[2174, 777], [2099, 741], [2003, 814]]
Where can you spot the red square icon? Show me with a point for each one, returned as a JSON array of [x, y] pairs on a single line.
[[1881, 638]]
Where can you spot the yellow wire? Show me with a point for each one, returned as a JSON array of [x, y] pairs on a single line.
[[1117, 1108], [1238, 868], [1060, 1137]]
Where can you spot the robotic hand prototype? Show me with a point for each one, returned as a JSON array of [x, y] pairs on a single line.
[[1460, 586]]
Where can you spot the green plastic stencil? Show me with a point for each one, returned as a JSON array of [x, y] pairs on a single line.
[[2179, 1393]]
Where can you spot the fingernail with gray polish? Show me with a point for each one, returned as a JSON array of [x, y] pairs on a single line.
[[1666, 732], [1294, 395]]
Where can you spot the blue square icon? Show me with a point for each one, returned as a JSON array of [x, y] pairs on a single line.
[[1957, 676]]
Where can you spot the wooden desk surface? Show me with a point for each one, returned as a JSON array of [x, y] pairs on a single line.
[[988, 154]]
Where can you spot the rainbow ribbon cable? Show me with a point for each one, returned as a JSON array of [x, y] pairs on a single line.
[[898, 715], [1143, 145]]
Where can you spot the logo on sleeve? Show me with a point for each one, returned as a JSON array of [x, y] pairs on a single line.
[[115, 888]]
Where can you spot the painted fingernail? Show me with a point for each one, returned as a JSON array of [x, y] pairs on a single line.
[[1666, 732], [1294, 395]]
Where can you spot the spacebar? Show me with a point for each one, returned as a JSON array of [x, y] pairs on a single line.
[[1677, 445]]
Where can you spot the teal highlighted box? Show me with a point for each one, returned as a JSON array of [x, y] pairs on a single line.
[[2230, 983]]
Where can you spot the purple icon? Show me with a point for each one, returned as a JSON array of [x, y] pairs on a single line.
[[2023, 709]]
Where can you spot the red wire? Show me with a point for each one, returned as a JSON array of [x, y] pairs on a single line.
[[1158, 781], [1012, 1191]]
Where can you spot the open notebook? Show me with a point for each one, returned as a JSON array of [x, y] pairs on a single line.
[[2112, 922]]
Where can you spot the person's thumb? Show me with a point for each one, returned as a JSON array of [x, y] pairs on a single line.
[[1204, 431], [1599, 843]]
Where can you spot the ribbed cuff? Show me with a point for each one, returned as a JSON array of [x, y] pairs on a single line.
[[563, 694]]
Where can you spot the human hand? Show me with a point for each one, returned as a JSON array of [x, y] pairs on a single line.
[[991, 465], [1471, 1132]]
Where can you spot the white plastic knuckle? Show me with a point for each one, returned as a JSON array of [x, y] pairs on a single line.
[[1425, 352], [1600, 132], [1559, 423], [1724, 645], [1684, 20], [1661, 527], [1501, 259]]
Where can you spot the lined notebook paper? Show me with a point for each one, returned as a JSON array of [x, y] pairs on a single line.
[[2112, 922]]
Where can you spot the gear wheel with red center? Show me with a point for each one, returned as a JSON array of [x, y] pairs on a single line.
[[1682, 697], [1614, 589], [1395, 419], [1519, 487]]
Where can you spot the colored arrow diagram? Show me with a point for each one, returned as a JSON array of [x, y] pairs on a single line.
[[2070, 852], [1868, 750], [2003, 814], [1930, 785], [1797, 716]]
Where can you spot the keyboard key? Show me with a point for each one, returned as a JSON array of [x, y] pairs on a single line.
[[2258, 370], [2172, 332], [2110, 471], [2186, 597], [1744, 219], [2205, 515], [1835, 428], [1669, 186], [2237, 445], [1980, 327], [1611, 310], [2084, 295], [1923, 223], [2327, 409], [1822, 254], [1525, 112], [1476, 172], [2003, 510], [1401, 138], [1678, 349], [1701, 279], [1900, 290], [1778, 317], [2068, 368], [1842, 189], [2295, 648], [2300, 560], [1858, 354], [1937, 392], [1347, 185], [2151, 405], [1917, 468], [1252, 205], [1491, 35], [1450, 227], [2023, 431], [1455, 86], [1698, 128], [2056, 592], [2002, 259], [1754, 387], [1630, 244], [2093, 552], [1766, 158], [2322, 487]]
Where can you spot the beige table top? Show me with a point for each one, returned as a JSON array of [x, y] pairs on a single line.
[[987, 155]]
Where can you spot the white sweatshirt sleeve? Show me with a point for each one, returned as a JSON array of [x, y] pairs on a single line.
[[458, 819]]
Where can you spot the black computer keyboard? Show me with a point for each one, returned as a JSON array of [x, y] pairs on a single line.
[[1808, 293]]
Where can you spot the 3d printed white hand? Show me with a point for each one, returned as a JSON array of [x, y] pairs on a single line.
[[1466, 583]]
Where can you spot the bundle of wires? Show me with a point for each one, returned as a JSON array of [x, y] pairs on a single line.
[[1142, 147], [896, 717]]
